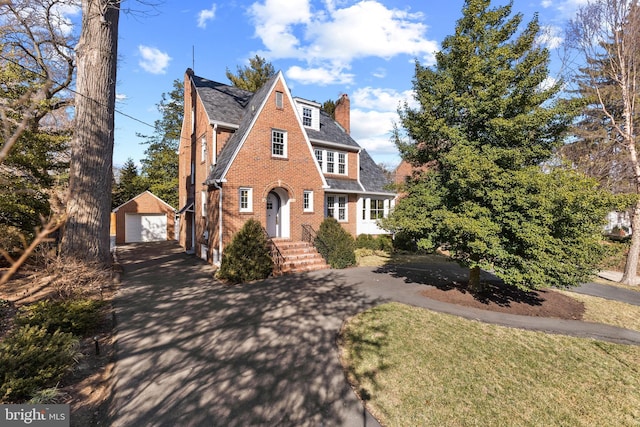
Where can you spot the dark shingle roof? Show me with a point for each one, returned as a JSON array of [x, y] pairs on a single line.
[[344, 184], [229, 104], [223, 103], [331, 131], [371, 175]]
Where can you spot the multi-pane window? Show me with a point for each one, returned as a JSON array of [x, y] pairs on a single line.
[[245, 202], [376, 210], [278, 143], [342, 163], [306, 117], [330, 161], [279, 102], [319, 156], [307, 201], [337, 207]]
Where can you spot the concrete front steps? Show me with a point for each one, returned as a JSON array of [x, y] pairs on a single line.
[[299, 256]]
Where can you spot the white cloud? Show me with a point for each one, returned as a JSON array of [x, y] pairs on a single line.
[[373, 114], [551, 36], [153, 60], [319, 76], [330, 39], [206, 15], [380, 99], [121, 97], [565, 8]]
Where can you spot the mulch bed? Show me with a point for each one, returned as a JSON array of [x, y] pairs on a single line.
[[507, 299]]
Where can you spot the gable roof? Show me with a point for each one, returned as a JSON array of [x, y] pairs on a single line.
[[232, 106], [230, 149], [142, 194]]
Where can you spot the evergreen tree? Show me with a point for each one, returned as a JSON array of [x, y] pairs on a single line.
[[128, 185], [485, 124], [160, 166], [329, 107], [247, 257], [253, 76]]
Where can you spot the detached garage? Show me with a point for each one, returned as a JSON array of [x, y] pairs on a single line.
[[145, 218]]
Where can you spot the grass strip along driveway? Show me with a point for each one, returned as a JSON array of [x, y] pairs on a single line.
[[416, 367]]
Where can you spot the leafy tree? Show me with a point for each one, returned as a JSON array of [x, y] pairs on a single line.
[[486, 122], [160, 166], [606, 33], [253, 76], [247, 257], [128, 185]]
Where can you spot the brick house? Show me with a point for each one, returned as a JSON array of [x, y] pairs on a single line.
[[272, 157]]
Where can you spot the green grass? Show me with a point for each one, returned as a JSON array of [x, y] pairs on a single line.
[[600, 310], [420, 368]]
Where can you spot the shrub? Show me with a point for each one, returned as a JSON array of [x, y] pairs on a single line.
[[31, 359], [380, 242], [335, 244], [247, 257], [403, 241], [79, 317]]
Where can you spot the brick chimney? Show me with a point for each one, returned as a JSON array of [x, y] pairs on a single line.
[[343, 112]]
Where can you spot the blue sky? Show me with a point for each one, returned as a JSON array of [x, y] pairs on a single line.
[[364, 48]]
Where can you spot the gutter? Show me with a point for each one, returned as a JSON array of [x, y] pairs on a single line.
[[217, 185]]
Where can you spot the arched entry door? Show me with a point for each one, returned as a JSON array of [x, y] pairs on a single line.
[[274, 215]]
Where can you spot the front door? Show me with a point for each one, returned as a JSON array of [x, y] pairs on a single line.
[[273, 215]]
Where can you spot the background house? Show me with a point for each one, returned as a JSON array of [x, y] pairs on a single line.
[[272, 157], [145, 218]]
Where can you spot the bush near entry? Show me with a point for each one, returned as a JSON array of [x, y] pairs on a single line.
[[335, 244], [247, 257]]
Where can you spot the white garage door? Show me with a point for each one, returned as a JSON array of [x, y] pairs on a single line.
[[145, 227]]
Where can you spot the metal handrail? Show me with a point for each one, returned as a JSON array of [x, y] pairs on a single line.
[[310, 236], [276, 255]]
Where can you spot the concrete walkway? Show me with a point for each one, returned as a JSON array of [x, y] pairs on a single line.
[[192, 352]]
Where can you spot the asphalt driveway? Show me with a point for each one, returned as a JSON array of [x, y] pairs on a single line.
[[193, 352]]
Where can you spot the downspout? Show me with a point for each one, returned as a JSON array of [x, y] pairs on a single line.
[[217, 185]]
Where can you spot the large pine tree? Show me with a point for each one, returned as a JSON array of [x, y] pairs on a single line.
[[485, 124]]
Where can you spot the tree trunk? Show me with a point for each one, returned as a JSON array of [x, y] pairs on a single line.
[[474, 280], [631, 265], [86, 233]]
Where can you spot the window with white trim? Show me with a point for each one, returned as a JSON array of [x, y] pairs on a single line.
[[203, 149], [333, 162], [278, 143], [376, 210], [245, 201], [307, 201], [279, 100], [330, 161], [319, 156], [203, 203], [336, 207], [342, 163], [307, 117]]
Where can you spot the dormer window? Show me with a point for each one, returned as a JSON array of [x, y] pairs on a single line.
[[309, 113], [307, 118]]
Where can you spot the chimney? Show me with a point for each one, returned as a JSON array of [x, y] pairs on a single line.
[[343, 112]]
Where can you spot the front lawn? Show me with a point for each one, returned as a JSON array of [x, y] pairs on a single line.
[[420, 368]]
